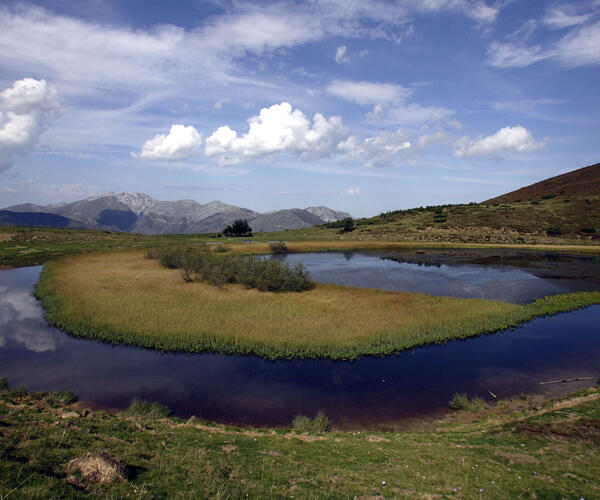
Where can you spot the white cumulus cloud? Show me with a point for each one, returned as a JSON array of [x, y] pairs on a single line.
[[24, 111], [277, 129], [179, 144], [376, 151], [341, 55], [516, 138]]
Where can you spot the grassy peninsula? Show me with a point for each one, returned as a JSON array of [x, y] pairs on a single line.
[[513, 449], [122, 297]]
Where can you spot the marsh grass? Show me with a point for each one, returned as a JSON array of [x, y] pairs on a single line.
[[147, 409], [319, 423], [461, 401], [124, 298], [62, 396]]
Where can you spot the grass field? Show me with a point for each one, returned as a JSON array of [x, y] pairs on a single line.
[[33, 246], [522, 449], [122, 297]]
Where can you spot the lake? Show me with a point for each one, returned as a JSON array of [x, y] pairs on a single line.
[[367, 392]]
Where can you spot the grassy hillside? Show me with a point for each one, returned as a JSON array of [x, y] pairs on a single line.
[[579, 183], [519, 449]]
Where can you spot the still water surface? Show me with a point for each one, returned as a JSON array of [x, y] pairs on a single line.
[[254, 391]]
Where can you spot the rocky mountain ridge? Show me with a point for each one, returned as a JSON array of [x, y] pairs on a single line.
[[138, 212]]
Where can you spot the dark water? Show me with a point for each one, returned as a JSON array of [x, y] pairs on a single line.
[[253, 391], [518, 277]]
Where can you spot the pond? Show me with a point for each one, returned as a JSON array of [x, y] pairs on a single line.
[[508, 275], [253, 391]]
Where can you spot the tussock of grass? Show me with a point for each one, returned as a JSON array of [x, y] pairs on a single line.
[[319, 423], [124, 298], [462, 402], [62, 396], [147, 409]]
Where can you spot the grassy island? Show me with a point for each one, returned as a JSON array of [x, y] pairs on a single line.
[[122, 297]]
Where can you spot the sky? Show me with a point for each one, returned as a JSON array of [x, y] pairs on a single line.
[[364, 106]]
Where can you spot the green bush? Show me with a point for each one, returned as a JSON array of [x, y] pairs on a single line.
[[589, 230], [460, 401], [320, 423], [278, 247], [222, 248], [148, 409], [3, 384], [553, 231], [252, 272]]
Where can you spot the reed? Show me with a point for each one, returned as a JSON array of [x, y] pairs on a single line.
[[120, 297]]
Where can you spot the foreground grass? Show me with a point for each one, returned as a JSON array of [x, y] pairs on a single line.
[[125, 298], [549, 452]]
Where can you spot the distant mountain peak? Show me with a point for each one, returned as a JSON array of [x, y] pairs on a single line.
[[139, 212]]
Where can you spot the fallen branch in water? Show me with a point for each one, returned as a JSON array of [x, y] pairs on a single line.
[[567, 380]]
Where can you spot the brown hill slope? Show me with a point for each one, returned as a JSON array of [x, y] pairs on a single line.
[[581, 182]]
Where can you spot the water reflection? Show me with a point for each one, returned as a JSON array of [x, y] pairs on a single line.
[[21, 319], [518, 280]]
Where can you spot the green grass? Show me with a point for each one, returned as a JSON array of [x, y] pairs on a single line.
[[470, 225], [319, 423], [462, 402], [548, 453], [147, 409], [125, 298]]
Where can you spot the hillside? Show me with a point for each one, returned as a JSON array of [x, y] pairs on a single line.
[[559, 209], [582, 182], [37, 219]]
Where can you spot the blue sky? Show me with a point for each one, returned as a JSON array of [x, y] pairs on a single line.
[[360, 105]]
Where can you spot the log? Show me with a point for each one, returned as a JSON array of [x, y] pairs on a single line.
[[567, 380]]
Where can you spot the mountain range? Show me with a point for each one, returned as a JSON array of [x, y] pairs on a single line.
[[140, 213]]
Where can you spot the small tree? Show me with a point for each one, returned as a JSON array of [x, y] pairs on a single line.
[[347, 225], [240, 227]]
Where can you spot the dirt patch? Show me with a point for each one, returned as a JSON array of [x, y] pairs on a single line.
[[585, 429], [375, 439], [270, 453], [303, 437], [94, 468], [5, 237], [518, 458], [228, 448]]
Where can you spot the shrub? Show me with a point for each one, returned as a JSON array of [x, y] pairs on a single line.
[[148, 409], [553, 231], [278, 247], [460, 401], [589, 230], [252, 272], [320, 423], [3, 384], [344, 225], [239, 228]]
